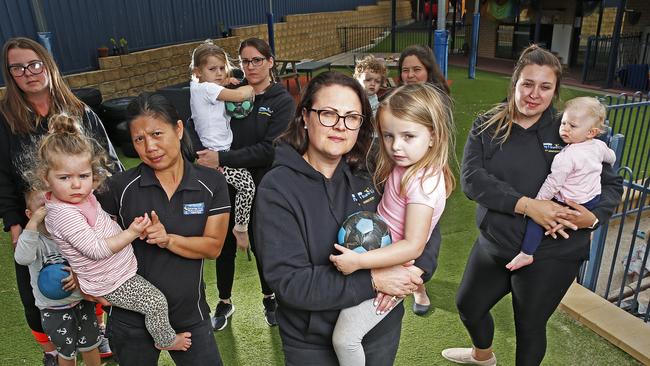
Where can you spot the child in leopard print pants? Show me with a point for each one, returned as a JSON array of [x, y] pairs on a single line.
[[68, 167]]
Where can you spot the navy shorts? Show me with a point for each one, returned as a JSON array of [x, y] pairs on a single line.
[[72, 329]]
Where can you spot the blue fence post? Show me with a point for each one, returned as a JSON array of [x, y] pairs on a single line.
[[45, 39], [441, 50], [474, 51]]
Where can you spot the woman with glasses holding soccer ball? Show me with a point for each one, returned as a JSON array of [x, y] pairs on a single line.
[[251, 148], [35, 91]]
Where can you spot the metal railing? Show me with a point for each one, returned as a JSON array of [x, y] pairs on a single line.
[[618, 268], [379, 39], [633, 54]]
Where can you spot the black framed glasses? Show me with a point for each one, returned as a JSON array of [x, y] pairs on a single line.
[[255, 61], [35, 67], [329, 118]]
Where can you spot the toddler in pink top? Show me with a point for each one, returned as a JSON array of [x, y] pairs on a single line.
[[415, 125], [68, 167], [575, 172]]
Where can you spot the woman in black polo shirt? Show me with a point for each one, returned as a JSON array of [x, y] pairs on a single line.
[[190, 208]]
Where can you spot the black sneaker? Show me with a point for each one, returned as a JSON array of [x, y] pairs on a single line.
[[221, 315], [269, 310], [104, 348], [50, 360]]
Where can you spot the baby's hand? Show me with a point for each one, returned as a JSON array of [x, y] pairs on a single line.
[[234, 81], [69, 283], [347, 262], [39, 215], [139, 224]]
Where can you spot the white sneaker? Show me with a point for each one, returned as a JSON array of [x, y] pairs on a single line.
[[464, 356]]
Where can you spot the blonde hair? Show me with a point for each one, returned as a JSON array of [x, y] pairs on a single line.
[[370, 64], [431, 107], [15, 107], [502, 115], [65, 138], [206, 49], [592, 106]]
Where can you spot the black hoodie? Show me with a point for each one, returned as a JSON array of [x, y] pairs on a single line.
[[299, 212], [497, 175]]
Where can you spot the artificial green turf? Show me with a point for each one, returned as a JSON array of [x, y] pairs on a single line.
[[249, 341]]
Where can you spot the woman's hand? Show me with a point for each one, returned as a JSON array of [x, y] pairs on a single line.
[[156, 233], [584, 219], [208, 158], [385, 303], [16, 230], [548, 214], [396, 280], [347, 262]]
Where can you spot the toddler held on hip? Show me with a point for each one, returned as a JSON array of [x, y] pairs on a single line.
[[69, 166], [211, 73], [415, 124], [575, 171]]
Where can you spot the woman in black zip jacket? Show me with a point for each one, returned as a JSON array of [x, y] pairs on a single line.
[[507, 157], [318, 180], [252, 148], [35, 91]]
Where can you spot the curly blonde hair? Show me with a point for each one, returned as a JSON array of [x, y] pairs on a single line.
[[370, 64], [65, 138], [592, 106]]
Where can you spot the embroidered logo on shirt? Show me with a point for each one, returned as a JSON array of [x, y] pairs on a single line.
[[266, 111], [194, 208], [550, 147], [364, 197]]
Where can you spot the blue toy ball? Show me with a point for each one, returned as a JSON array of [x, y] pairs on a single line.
[[364, 231], [49, 281], [239, 110]]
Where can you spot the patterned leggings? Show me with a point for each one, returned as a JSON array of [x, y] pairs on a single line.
[[242, 180], [138, 294]]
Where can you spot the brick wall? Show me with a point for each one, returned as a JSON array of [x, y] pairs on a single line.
[[314, 36]]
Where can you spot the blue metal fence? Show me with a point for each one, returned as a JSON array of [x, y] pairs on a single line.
[[618, 268], [81, 26]]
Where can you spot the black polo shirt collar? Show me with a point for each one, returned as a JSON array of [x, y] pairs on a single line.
[[190, 181]]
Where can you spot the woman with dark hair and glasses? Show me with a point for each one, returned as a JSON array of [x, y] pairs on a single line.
[[318, 179], [35, 91], [251, 148]]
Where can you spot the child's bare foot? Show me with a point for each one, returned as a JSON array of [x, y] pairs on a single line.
[[242, 239], [182, 342], [521, 260]]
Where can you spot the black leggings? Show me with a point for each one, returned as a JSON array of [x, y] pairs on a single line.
[[537, 289], [32, 314], [226, 260]]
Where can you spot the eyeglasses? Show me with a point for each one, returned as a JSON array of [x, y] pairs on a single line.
[[329, 118], [255, 61], [35, 67]]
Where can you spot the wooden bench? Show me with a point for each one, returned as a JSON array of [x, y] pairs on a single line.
[[285, 70]]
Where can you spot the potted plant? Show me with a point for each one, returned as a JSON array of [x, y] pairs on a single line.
[[124, 46], [116, 50], [222, 30], [102, 51]]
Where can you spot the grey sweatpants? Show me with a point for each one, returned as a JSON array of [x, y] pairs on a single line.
[[352, 325]]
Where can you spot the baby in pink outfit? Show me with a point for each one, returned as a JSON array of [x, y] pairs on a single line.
[[575, 172]]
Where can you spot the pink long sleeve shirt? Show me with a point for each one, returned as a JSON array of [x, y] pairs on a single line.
[[575, 172], [83, 243]]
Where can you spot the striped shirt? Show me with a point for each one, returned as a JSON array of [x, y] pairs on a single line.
[[98, 269]]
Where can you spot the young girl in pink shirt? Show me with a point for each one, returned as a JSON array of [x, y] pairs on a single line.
[[68, 167], [575, 172], [416, 129]]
